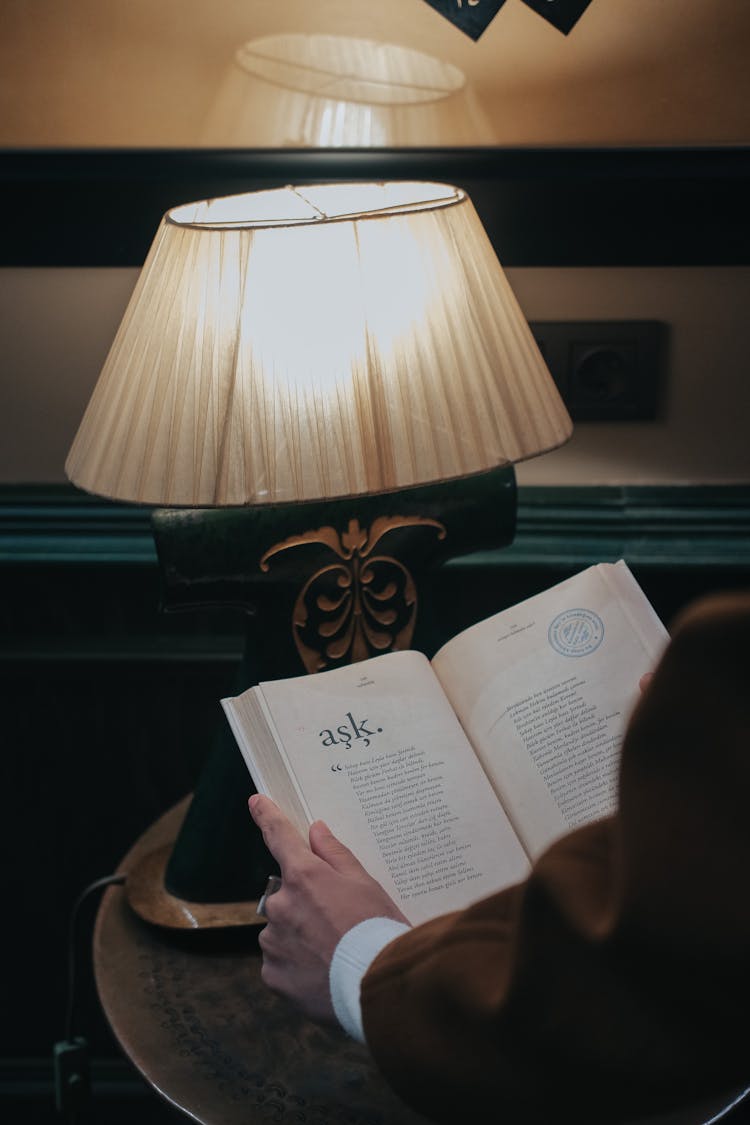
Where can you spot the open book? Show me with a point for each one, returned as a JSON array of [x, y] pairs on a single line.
[[446, 778]]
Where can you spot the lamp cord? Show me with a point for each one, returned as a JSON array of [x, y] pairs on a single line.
[[70, 1056], [107, 880]]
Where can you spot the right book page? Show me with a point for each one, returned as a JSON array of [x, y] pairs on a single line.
[[544, 691]]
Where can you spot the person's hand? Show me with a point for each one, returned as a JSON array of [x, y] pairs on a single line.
[[645, 680], [324, 891]]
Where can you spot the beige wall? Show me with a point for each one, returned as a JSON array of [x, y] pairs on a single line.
[[56, 327], [146, 72]]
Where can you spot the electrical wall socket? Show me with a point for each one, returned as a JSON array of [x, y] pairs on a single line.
[[606, 370]]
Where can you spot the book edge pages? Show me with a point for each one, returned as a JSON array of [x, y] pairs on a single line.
[[256, 758]]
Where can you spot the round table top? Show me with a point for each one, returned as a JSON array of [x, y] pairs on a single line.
[[190, 1011]]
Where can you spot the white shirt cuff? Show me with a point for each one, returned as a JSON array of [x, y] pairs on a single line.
[[351, 959]]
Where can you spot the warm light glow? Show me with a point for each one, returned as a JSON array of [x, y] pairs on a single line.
[[311, 342], [333, 91], [311, 203]]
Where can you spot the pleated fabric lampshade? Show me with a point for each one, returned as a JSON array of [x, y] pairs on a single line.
[[315, 342], [333, 91]]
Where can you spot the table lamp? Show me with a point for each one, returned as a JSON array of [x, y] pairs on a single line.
[[322, 390], [334, 91]]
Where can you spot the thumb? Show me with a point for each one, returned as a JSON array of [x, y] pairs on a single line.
[[327, 847]]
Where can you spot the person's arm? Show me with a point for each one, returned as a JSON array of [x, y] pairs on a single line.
[[352, 957]]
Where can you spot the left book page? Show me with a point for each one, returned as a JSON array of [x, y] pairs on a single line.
[[375, 750]]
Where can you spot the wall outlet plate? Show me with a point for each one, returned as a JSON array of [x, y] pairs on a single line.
[[606, 370]]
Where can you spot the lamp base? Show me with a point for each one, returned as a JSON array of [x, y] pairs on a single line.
[[147, 895], [281, 565]]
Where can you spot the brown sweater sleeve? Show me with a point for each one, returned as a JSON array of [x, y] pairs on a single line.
[[612, 980]]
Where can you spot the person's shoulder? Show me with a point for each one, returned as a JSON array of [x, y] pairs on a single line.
[[728, 611]]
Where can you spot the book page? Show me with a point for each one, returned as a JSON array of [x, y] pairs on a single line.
[[544, 691], [375, 751]]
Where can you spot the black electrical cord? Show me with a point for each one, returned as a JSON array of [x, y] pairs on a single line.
[[71, 1062], [106, 881]]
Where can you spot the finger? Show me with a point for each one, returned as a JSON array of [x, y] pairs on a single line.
[[328, 847], [645, 680], [271, 942], [272, 972], [282, 838]]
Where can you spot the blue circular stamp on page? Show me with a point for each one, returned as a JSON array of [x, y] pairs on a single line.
[[576, 632]]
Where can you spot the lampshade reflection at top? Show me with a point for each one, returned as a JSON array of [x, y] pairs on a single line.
[[331, 91]]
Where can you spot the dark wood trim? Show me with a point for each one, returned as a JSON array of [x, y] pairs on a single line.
[[666, 527], [653, 206], [684, 526], [57, 524], [86, 590]]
